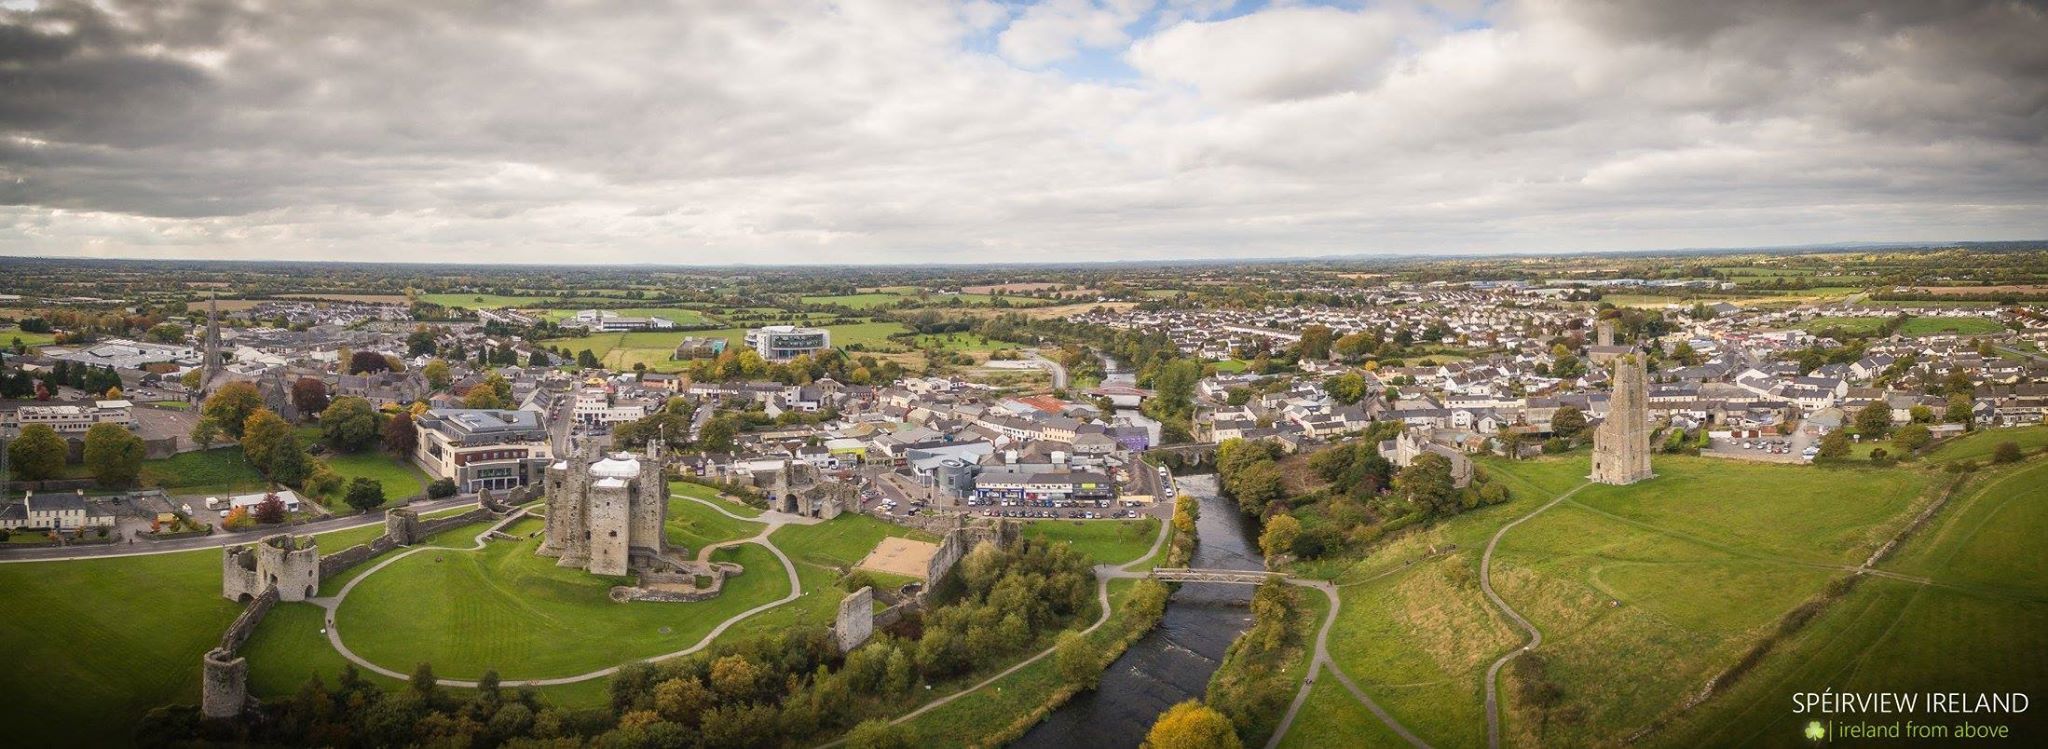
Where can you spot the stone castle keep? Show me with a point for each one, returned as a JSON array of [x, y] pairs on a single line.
[[606, 514], [1621, 445]]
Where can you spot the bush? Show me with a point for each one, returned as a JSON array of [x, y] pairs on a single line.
[[365, 494], [2006, 452], [441, 488]]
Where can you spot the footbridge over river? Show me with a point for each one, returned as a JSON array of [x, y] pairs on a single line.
[[1228, 577]]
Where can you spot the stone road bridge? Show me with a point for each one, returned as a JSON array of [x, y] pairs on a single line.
[[1229, 577]]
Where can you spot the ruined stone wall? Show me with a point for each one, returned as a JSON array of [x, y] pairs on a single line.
[[959, 541], [610, 529], [856, 622], [245, 623], [427, 528], [224, 678], [336, 563]]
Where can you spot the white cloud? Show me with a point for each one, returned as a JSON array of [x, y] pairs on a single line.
[[869, 131]]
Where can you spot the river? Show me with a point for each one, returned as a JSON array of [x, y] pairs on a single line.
[[1173, 662]]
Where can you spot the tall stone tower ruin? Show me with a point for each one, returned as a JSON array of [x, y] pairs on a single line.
[[1621, 446], [603, 513]]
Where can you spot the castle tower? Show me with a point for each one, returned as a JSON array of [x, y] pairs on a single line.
[[650, 502], [224, 685], [1621, 446], [211, 371], [285, 562], [1604, 332]]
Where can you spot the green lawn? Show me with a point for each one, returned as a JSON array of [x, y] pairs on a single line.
[[1850, 324], [216, 471], [8, 335], [1104, 541], [701, 491], [1232, 366], [94, 644], [856, 301], [401, 479], [1978, 445], [1960, 325], [482, 301], [1701, 560], [506, 608], [842, 541], [1887, 635], [695, 526]]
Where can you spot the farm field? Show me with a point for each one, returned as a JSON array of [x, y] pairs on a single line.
[[677, 315], [1989, 602], [1104, 541], [483, 301], [1958, 325], [505, 608], [1978, 445], [1631, 586]]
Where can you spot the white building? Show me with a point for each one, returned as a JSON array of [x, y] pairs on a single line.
[[785, 342], [69, 420]]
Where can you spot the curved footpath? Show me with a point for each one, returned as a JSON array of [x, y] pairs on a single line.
[[216, 540], [1319, 661], [1535, 635], [773, 520]]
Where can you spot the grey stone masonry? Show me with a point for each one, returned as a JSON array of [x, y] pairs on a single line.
[[856, 622], [1621, 446]]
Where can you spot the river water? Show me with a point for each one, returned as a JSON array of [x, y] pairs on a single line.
[[1173, 662]]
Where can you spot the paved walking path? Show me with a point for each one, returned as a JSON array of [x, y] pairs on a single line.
[[215, 540], [773, 520], [1535, 635]]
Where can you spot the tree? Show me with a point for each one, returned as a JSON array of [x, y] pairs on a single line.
[[1278, 538], [1315, 342], [1175, 385], [1912, 437], [113, 394], [262, 434], [1427, 483], [1959, 409], [493, 392], [1834, 445], [1874, 419], [879, 733], [718, 434], [37, 454], [367, 362], [1257, 486], [231, 405], [420, 342], [2006, 452], [350, 424], [423, 681], [237, 519], [400, 436], [270, 511], [437, 374], [289, 463], [205, 432], [1078, 662], [1192, 725], [1921, 414], [309, 394], [365, 494], [1568, 422], [1347, 388], [114, 454], [166, 333]]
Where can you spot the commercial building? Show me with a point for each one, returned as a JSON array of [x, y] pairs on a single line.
[[785, 342], [605, 321], [483, 448], [69, 420]]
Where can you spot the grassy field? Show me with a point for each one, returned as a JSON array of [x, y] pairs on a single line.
[[400, 478], [506, 608], [1632, 586], [843, 541], [217, 471], [695, 526], [1961, 325], [94, 644], [1978, 445], [1850, 324], [623, 350], [1967, 632], [701, 491], [1104, 541], [9, 335], [482, 301], [677, 315]]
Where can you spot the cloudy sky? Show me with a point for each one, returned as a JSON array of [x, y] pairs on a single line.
[[862, 131]]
